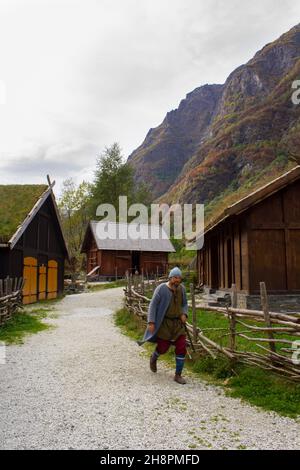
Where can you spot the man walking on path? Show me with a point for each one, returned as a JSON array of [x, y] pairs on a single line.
[[167, 314]]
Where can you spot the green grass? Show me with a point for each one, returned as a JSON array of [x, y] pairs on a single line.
[[16, 201], [25, 323], [255, 386], [263, 389], [130, 325], [108, 285], [207, 319]]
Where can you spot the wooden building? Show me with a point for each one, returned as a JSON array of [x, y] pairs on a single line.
[[112, 257], [32, 244], [256, 239]]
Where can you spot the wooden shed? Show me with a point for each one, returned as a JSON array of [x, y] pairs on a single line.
[[257, 239], [32, 244], [112, 257]]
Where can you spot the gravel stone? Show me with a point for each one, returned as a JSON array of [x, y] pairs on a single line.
[[84, 385]]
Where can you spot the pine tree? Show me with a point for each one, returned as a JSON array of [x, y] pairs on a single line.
[[114, 178]]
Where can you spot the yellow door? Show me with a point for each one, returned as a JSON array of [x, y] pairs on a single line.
[[30, 278], [42, 282], [52, 279]]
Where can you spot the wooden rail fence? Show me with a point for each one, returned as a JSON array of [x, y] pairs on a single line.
[[10, 298], [271, 340]]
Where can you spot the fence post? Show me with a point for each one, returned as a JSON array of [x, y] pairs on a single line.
[[232, 318], [265, 307], [6, 286], [142, 283], [129, 290], [194, 315], [10, 284]]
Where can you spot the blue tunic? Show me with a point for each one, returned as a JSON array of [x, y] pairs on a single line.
[[157, 309]]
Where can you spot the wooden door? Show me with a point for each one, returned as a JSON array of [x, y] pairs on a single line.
[[135, 261], [42, 282], [30, 277], [52, 279]]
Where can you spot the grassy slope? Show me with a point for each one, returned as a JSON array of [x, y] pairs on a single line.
[[208, 177]]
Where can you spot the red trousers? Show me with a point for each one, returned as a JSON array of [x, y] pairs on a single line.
[[180, 345]]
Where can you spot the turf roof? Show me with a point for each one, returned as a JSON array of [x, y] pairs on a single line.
[[16, 201]]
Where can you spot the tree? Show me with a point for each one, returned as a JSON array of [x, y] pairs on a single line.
[[114, 178], [74, 206]]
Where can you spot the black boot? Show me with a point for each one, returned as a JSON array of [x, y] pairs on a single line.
[[153, 362]]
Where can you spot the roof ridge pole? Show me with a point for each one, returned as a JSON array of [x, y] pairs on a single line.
[[51, 185]]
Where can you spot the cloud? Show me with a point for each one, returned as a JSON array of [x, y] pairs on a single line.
[[2, 93], [81, 75], [58, 161]]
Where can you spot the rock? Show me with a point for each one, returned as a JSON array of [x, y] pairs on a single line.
[[222, 135]]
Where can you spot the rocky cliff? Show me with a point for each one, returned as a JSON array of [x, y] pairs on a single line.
[[224, 140]]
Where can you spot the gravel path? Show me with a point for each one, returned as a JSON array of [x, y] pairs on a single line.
[[84, 385]]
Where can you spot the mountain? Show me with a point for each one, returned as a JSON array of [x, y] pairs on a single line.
[[224, 140], [165, 150]]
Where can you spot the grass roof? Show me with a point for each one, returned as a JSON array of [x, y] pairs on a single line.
[[16, 201]]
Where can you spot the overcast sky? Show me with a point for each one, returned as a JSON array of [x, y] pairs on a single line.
[[77, 75]]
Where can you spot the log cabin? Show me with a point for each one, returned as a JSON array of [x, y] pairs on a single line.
[[257, 239], [32, 243], [111, 258]]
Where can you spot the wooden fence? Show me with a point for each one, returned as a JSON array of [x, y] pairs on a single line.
[[10, 298], [270, 340]]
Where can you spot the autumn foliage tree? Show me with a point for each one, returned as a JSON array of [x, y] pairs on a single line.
[[78, 203], [74, 205]]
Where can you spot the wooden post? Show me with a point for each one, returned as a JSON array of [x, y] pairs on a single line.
[[9, 310], [142, 283], [194, 314], [265, 307], [232, 318], [6, 286], [129, 290]]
